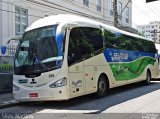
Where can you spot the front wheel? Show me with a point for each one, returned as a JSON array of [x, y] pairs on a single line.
[[102, 87]]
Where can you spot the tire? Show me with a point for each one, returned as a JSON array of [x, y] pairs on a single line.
[[148, 78], [102, 87]]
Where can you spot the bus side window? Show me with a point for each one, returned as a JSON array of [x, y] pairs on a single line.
[[77, 46], [72, 47], [84, 42], [109, 39], [152, 47]]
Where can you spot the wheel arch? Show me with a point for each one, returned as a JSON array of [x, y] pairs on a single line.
[[149, 70], [106, 77]]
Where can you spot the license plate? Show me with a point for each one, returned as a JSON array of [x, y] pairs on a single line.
[[32, 95]]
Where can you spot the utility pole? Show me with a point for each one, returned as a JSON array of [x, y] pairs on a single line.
[[115, 13]]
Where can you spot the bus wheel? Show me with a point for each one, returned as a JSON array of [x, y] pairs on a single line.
[[102, 87], [148, 78]]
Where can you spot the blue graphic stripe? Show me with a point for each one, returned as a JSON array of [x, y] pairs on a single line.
[[116, 55], [60, 40]]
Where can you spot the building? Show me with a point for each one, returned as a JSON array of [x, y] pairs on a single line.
[[149, 29], [17, 15]]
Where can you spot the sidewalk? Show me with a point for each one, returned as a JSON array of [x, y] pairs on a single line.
[[4, 97], [7, 100]]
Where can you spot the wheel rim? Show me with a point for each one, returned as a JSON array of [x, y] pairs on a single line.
[[102, 87], [148, 78]]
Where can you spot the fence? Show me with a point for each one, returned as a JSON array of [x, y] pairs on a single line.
[[6, 68], [6, 64], [6, 73], [6, 82]]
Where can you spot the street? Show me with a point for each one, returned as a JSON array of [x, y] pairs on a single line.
[[121, 102]]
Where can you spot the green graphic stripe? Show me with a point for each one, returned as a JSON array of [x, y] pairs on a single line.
[[130, 70]]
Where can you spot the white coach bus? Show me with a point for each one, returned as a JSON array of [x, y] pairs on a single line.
[[64, 56]]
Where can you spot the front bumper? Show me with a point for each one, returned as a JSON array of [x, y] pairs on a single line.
[[42, 95]]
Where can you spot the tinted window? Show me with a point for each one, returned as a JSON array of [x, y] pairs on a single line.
[[84, 42], [152, 47], [116, 40], [125, 42], [110, 41], [145, 45]]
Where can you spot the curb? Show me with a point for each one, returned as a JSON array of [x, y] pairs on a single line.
[[9, 104], [12, 103], [5, 91]]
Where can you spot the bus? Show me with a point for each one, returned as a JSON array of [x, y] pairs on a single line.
[[65, 56], [158, 51]]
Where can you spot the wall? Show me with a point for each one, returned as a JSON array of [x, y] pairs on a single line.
[[5, 21], [0, 22], [6, 82]]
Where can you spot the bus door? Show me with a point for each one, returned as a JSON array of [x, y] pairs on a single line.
[[75, 63], [76, 77]]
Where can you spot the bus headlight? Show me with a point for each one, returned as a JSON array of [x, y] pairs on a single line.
[[15, 88], [59, 83]]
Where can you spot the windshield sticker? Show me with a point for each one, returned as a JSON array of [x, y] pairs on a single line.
[[37, 60]]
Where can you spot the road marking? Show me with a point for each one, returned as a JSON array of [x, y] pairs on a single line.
[[10, 102], [66, 111]]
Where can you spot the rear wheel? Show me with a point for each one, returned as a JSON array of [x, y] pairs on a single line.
[[102, 87], [148, 78]]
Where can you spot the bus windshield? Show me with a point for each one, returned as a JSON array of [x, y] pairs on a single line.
[[38, 51]]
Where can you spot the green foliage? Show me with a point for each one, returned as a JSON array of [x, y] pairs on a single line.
[[141, 34], [4, 68]]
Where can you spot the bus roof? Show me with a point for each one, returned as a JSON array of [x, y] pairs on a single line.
[[67, 18]]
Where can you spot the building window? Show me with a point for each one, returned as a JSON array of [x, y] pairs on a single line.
[[86, 3], [21, 20], [127, 14], [120, 10], [99, 5], [111, 7]]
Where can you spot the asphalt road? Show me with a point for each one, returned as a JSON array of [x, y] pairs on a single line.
[[131, 101]]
